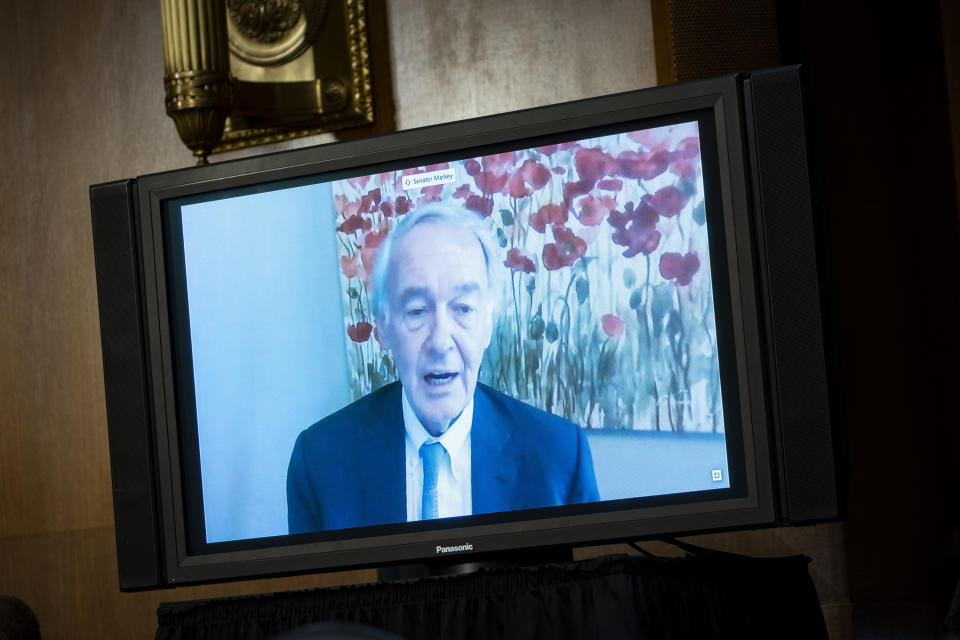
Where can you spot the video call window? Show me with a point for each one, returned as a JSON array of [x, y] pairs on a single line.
[[603, 318]]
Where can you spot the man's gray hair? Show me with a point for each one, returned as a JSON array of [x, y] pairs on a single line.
[[455, 217]]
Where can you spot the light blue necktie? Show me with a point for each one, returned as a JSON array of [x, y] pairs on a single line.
[[432, 454]]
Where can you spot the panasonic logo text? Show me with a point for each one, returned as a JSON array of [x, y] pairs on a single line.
[[459, 547]]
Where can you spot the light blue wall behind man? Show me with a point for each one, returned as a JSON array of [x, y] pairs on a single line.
[[266, 325]]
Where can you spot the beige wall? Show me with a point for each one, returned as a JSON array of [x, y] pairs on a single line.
[[81, 103]]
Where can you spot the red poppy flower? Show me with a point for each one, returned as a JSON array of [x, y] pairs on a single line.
[[688, 148], [360, 332], [462, 191], [369, 202], [479, 204], [592, 211], [403, 205], [351, 265], [548, 214], [559, 170], [530, 177], [374, 239], [516, 187], [551, 149], [387, 209], [371, 242], [610, 184], [636, 229], [345, 207], [535, 174], [355, 223], [650, 138], [643, 165], [490, 183], [430, 194], [573, 189], [566, 249], [593, 164], [438, 167], [499, 163], [669, 201], [518, 260], [490, 173], [613, 326], [686, 170], [679, 267]]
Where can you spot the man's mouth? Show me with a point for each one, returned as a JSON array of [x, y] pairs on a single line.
[[439, 378]]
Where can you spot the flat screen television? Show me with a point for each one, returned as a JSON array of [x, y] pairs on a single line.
[[606, 312]]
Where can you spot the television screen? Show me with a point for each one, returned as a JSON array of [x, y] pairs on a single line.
[[601, 313], [533, 329]]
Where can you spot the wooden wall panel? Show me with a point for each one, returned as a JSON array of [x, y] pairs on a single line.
[[73, 117], [460, 59], [69, 579]]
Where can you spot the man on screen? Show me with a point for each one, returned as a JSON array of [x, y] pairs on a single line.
[[436, 444]]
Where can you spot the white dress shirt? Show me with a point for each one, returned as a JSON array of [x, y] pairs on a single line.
[[453, 485]]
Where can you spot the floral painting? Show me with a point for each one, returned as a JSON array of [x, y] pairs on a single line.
[[606, 316]]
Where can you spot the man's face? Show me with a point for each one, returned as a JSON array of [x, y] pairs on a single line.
[[438, 319]]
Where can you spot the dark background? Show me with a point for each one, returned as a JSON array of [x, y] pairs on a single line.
[[885, 154], [883, 88]]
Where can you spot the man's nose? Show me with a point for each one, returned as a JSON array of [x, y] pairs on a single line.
[[440, 339]]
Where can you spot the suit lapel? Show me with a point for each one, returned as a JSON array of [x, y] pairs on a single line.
[[384, 498], [493, 474]]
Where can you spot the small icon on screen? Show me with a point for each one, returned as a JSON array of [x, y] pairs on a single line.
[[716, 475]]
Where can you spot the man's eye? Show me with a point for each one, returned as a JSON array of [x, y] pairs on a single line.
[[416, 312], [464, 309]]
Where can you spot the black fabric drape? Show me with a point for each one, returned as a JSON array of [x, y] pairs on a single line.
[[613, 597]]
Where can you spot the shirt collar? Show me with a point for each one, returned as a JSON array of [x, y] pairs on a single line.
[[453, 439]]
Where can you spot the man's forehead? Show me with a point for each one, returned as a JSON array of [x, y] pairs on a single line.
[[441, 254], [414, 291]]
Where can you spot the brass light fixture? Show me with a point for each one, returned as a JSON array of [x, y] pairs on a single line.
[[247, 72]]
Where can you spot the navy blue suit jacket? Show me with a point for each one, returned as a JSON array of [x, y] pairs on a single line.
[[348, 470]]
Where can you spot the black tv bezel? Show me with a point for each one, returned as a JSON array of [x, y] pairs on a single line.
[[721, 96]]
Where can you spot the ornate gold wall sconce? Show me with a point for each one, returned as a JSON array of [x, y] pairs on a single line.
[[248, 72]]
